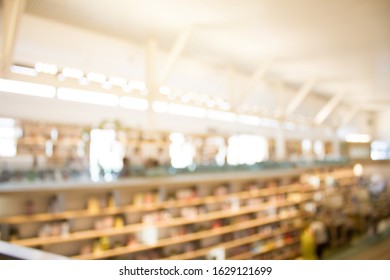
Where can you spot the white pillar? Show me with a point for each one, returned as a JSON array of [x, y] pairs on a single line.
[[280, 142], [336, 146]]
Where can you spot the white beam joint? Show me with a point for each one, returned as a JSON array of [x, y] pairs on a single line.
[[328, 109], [174, 55], [300, 96]]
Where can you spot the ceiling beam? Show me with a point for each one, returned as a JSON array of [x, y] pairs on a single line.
[[328, 108], [12, 11], [349, 115], [299, 97], [256, 76], [174, 54]]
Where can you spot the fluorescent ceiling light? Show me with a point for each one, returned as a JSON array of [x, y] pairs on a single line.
[[358, 138], [106, 85], [222, 104], [22, 70], [289, 125], [250, 120], [46, 68], [164, 90], [96, 77], [269, 122], [134, 103], [160, 107], [137, 85], [25, 88], [72, 73], [221, 116], [89, 97], [117, 81], [185, 110]]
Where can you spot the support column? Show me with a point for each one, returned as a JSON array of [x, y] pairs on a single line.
[[280, 142], [336, 149]]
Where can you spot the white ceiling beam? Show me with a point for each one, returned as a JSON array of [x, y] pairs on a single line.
[[12, 11], [299, 97], [328, 108], [175, 53], [349, 115], [256, 76]]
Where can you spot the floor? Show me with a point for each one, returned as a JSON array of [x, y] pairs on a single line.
[[367, 248]]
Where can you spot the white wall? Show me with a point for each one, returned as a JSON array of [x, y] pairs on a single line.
[[383, 126]]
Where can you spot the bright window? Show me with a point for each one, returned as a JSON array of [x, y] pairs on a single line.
[[306, 147], [181, 151], [106, 154], [380, 150], [8, 136], [319, 149], [247, 149]]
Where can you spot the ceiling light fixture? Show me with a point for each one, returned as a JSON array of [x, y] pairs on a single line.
[[22, 70], [89, 97], [74, 73], [96, 77], [46, 68], [117, 81], [134, 103], [25, 88], [358, 138]]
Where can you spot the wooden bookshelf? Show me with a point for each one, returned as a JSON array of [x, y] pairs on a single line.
[[90, 234], [237, 182], [249, 255], [184, 238], [230, 244], [44, 217]]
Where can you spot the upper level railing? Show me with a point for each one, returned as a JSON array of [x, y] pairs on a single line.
[[68, 175]]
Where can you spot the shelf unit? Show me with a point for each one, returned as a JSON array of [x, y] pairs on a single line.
[[136, 227], [287, 195], [43, 217], [249, 255], [231, 244]]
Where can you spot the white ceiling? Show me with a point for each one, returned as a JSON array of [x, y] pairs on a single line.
[[345, 43]]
